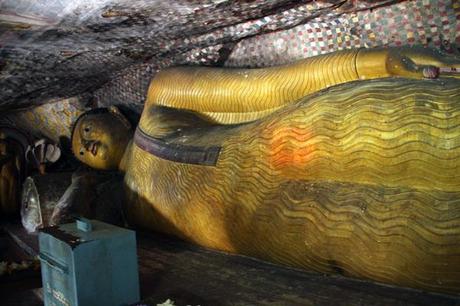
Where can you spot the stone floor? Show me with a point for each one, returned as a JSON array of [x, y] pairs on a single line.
[[191, 275]]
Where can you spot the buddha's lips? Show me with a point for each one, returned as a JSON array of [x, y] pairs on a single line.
[[93, 148]]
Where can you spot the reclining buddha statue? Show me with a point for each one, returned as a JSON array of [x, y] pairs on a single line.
[[341, 163]]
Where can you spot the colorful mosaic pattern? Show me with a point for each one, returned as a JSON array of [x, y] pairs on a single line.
[[433, 23], [52, 120]]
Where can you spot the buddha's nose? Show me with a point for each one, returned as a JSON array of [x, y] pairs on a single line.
[[87, 144]]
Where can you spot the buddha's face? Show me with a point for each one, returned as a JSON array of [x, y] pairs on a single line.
[[99, 140]]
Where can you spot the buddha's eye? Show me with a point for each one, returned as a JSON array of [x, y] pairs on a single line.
[[81, 153], [87, 129]]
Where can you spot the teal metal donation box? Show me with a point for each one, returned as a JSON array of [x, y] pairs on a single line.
[[88, 263]]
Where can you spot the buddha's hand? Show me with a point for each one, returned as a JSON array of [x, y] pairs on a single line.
[[419, 62]]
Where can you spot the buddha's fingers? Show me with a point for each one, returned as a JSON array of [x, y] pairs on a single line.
[[449, 72], [403, 66], [447, 65]]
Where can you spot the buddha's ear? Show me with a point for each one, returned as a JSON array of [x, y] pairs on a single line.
[[117, 113]]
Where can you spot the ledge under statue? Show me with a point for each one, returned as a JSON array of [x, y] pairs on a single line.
[[343, 163]]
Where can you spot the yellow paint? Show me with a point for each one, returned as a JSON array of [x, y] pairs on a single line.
[[248, 94]]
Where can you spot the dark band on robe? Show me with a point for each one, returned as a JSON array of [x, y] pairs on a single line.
[[206, 156]]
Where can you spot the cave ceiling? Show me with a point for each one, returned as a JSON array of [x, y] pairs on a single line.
[[57, 49]]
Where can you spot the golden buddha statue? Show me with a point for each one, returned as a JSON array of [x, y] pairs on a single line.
[[360, 179]]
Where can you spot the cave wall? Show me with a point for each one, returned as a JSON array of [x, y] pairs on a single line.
[[53, 120]]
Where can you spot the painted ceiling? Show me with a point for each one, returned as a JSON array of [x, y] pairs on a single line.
[[59, 58]]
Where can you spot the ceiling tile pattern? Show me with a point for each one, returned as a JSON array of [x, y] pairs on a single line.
[[431, 23]]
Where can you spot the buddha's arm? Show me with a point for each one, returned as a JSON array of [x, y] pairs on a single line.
[[124, 163], [230, 96]]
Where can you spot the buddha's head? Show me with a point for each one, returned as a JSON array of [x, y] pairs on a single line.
[[100, 137]]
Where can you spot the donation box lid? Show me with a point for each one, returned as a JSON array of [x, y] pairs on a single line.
[[85, 230]]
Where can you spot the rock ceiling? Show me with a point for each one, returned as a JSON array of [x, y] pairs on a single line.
[[61, 48]]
